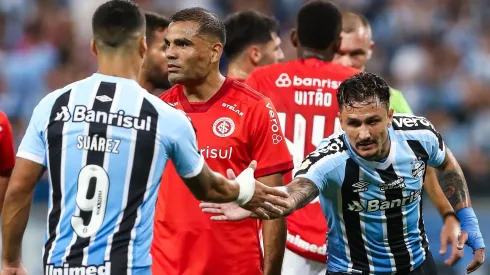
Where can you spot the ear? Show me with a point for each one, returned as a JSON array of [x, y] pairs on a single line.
[[254, 54], [390, 116], [294, 37], [341, 120], [337, 44], [370, 51], [217, 51], [93, 48], [143, 47]]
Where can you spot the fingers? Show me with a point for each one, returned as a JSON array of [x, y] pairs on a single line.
[[253, 165], [219, 218], [444, 241], [260, 213], [478, 259], [276, 201], [272, 209], [462, 238], [276, 191], [209, 205], [212, 211], [230, 174], [456, 254]]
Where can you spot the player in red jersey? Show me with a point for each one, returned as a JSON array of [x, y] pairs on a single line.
[[234, 125], [7, 154], [252, 40], [153, 75]]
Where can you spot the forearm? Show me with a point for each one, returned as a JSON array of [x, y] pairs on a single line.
[[274, 233], [454, 184], [301, 192], [435, 193], [4, 180], [15, 215], [222, 190]]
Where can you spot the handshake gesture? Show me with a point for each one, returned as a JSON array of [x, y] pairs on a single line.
[[259, 199]]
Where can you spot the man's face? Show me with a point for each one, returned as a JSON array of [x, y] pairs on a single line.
[[366, 126], [155, 64], [188, 52], [271, 51], [355, 48]]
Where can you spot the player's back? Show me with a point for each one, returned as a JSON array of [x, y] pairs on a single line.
[[304, 92], [107, 141]]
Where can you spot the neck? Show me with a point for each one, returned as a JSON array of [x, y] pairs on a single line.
[[206, 89], [325, 55], [147, 85], [239, 69], [118, 65]]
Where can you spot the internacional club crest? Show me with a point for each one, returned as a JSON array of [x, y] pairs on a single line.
[[223, 127]]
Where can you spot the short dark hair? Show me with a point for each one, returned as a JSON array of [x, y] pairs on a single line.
[[319, 24], [116, 22], [363, 87], [154, 22], [245, 28], [208, 22]]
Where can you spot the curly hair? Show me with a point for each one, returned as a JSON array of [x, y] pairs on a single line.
[[363, 88]]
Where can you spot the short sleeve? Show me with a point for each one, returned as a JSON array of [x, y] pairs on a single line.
[[185, 155], [268, 144], [7, 152], [33, 144], [436, 149], [312, 168]]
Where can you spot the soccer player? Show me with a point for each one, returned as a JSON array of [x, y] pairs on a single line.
[[234, 124], [7, 154], [303, 92], [356, 50], [370, 180], [252, 40], [105, 142], [154, 74]]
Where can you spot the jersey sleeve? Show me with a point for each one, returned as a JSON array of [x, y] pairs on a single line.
[[435, 148], [314, 167], [398, 102], [268, 145], [7, 151], [185, 156], [33, 144]]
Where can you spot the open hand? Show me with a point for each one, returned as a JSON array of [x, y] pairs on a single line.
[[478, 254], [449, 235]]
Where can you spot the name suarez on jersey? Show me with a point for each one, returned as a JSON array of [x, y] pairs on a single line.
[[97, 143]]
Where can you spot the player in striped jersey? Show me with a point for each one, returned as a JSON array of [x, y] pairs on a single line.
[[105, 142], [370, 178]]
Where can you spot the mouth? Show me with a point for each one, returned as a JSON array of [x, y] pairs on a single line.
[[173, 68], [366, 146]]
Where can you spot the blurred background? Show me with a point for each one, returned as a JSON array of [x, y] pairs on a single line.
[[437, 52]]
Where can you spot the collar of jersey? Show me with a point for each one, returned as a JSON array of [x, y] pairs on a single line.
[[115, 79], [202, 108], [375, 164]]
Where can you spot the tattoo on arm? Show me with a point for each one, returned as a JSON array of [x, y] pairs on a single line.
[[301, 192], [454, 186]]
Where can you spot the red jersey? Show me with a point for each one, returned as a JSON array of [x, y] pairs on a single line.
[[7, 151], [237, 125], [304, 93]]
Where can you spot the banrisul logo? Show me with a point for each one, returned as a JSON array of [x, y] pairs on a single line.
[[119, 119]]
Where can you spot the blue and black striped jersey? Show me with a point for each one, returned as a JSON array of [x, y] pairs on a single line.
[[374, 209], [105, 142]]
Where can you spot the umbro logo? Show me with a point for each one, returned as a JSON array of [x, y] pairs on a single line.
[[103, 98], [360, 186]]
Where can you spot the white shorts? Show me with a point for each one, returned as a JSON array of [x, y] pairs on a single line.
[[293, 264]]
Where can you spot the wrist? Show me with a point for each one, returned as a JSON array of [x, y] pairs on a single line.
[[450, 215], [246, 184]]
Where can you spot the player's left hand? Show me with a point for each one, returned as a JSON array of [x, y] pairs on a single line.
[[478, 253], [449, 235]]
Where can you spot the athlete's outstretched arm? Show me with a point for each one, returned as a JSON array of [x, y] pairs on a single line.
[[301, 191], [16, 209]]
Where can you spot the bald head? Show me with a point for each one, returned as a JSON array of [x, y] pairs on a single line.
[[355, 49]]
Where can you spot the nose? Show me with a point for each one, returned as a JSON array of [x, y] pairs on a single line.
[[280, 56], [364, 133], [170, 52], [343, 60]]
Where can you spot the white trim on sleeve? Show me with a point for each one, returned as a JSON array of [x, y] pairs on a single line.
[[196, 170], [31, 157]]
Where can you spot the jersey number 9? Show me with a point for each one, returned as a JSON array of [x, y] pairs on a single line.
[[96, 204]]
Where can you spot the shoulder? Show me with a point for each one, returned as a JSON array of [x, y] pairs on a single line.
[[171, 94], [407, 122], [245, 92], [3, 118], [343, 71], [330, 154]]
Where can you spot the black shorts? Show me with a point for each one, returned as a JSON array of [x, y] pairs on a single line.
[[428, 267]]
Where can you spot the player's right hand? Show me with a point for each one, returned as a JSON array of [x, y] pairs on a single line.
[[449, 235], [13, 270]]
